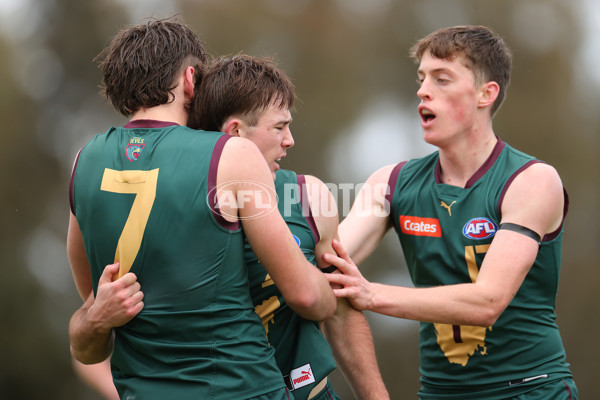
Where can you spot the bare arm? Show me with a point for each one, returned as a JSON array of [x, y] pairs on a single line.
[[85, 345], [80, 267], [368, 220], [534, 200], [91, 332], [350, 338], [303, 286], [98, 377], [347, 331]]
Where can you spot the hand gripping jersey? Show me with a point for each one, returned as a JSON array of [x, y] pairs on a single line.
[[141, 195], [445, 232], [302, 353]]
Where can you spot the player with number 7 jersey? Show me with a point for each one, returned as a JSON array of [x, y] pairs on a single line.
[[148, 199]]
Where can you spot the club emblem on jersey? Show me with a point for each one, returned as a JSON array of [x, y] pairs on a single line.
[[480, 228], [134, 148]]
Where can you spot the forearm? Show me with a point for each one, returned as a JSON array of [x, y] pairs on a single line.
[[99, 377], [349, 336], [90, 343], [481, 302], [460, 304]]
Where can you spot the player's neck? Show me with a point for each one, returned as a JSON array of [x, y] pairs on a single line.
[[460, 161], [171, 112]]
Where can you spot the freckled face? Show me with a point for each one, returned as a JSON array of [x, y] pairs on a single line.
[[449, 98]]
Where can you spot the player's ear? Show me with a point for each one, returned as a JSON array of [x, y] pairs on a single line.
[[488, 94], [188, 81], [233, 127]]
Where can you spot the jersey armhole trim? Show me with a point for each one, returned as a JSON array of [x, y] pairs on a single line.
[[306, 210], [510, 181], [392, 181], [549, 236], [212, 184], [71, 203]]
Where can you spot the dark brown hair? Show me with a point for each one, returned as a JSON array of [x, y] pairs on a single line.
[[141, 65], [489, 57], [241, 85]]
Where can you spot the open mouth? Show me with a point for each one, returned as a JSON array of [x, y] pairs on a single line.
[[277, 161], [426, 115]]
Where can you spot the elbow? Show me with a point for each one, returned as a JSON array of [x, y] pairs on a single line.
[[316, 307], [489, 314], [488, 307], [486, 319]]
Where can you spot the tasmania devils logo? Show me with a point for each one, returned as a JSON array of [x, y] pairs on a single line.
[[480, 228], [134, 148]]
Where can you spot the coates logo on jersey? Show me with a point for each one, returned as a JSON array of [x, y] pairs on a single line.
[[480, 228], [420, 226]]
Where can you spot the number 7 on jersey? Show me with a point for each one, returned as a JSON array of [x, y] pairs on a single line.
[[143, 184]]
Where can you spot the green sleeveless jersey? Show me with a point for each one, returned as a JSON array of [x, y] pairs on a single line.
[[445, 232], [302, 352], [141, 195]]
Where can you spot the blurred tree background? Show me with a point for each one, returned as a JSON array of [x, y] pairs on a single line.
[[356, 112]]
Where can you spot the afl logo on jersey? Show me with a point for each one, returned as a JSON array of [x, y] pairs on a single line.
[[297, 239], [480, 228]]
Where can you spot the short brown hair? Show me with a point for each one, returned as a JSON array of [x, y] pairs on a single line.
[[141, 64], [489, 57], [240, 85]]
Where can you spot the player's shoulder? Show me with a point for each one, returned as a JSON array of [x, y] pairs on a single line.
[[312, 180], [310, 183], [241, 159], [531, 168], [382, 175], [538, 174], [317, 189], [241, 148]]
